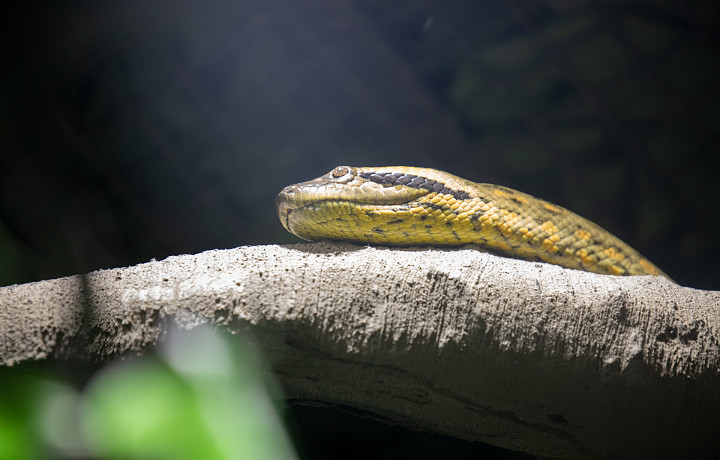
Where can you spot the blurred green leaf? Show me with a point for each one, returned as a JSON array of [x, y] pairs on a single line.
[[20, 395], [204, 399], [202, 396], [142, 408]]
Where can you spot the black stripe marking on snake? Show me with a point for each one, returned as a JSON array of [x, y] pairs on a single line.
[[411, 180]]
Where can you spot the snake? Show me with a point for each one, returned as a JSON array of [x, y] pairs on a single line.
[[413, 206]]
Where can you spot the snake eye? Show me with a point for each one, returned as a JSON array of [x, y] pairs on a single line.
[[340, 171]]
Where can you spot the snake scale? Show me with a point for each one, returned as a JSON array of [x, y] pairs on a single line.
[[409, 206]]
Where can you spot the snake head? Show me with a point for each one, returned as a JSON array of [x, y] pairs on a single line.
[[335, 204]]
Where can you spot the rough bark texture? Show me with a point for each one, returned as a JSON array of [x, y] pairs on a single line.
[[523, 355]]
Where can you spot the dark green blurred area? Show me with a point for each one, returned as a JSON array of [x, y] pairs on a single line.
[[201, 395], [134, 130], [140, 129]]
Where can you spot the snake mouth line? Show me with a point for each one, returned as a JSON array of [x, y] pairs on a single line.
[[338, 205], [284, 207], [298, 218]]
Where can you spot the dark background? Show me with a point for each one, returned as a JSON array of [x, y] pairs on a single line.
[[141, 129]]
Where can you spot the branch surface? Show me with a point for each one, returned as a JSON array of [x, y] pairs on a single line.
[[523, 355]]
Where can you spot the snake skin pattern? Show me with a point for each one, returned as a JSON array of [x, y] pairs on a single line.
[[408, 206]]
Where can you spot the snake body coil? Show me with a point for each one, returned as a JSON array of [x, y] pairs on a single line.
[[407, 206]]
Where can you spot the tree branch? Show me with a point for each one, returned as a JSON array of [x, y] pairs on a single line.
[[527, 356]]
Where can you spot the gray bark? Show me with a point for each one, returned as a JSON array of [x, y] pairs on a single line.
[[523, 355]]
